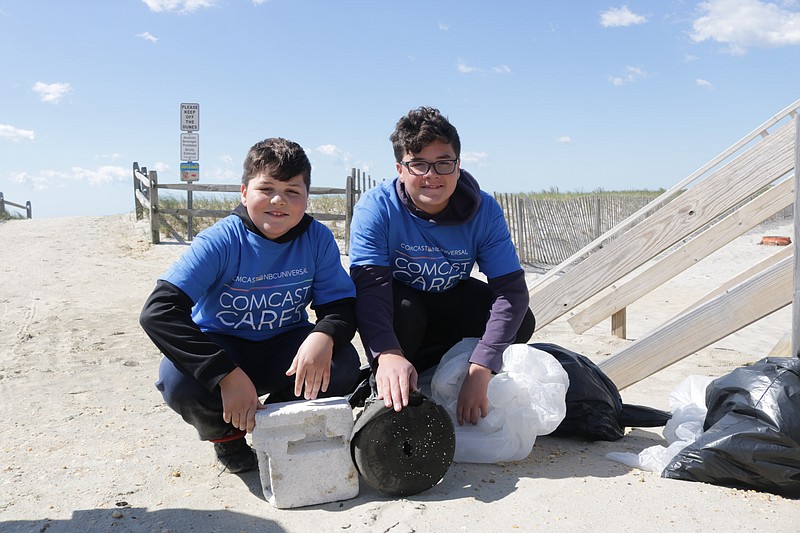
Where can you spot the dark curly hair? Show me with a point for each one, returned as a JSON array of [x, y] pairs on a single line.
[[419, 128]]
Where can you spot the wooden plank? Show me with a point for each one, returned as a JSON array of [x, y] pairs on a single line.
[[209, 187], [219, 213], [762, 265], [671, 192], [783, 348], [143, 201], [142, 178], [699, 247], [741, 177], [740, 306], [328, 216], [182, 211], [175, 235]]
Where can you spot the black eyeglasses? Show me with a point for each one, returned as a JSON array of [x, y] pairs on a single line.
[[420, 168]]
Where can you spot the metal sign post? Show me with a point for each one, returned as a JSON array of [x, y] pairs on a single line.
[[190, 154]]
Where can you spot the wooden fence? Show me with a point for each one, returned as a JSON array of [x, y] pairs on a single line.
[[545, 231], [548, 231], [146, 189], [26, 207]]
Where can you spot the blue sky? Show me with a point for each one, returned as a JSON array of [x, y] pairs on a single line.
[[577, 96]]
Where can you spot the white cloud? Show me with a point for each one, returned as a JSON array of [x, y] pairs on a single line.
[[466, 69], [705, 84], [226, 159], [15, 134], [51, 92], [741, 24], [39, 182], [469, 69], [689, 58], [44, 179], [101, 175], [113, 157], [340, 157], [443, 26], [474, 158], [619, 17], [632, 74], [259, 2], [328, 149], [566, 139], [220, 174], [182, 6], [147, 36]]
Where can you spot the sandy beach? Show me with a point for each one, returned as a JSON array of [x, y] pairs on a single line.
[[88, 445]]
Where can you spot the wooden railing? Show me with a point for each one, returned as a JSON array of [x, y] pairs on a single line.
[[26, 207], [146, 189]]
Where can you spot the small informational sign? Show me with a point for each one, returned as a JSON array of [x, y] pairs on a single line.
[[190, 146], [190, 171], [190, 117]]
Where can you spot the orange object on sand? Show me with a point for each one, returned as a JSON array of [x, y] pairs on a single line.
[[773, 240]]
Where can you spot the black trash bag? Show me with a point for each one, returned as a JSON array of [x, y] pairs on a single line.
[[751, 436], [364, 387], [403, 453], [594, 407]]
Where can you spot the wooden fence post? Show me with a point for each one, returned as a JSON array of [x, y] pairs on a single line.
[[189, 217], [349, 203], [619, 327], [154, 222], [137, 186], [28, 211]]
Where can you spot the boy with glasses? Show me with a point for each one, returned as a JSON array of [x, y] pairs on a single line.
[[230, 315], [414, 241]]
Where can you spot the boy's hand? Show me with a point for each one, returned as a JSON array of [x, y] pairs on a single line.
[[472, 399], [394, 377], [239, 400], [312, 364]]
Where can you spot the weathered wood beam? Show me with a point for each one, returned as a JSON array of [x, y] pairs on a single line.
[[738, 307]]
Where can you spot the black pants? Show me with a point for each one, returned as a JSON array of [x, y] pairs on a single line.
[[265, 363], [427, 324]]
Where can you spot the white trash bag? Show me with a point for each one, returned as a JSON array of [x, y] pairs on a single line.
[[526, 399], [688, 404]]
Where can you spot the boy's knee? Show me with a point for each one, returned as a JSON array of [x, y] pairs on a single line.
[[526, 329]]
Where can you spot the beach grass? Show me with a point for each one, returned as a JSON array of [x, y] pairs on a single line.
[[553, 193], [10, 215]]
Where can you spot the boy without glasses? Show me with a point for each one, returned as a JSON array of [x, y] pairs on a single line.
[[230, 315], [414, 241]]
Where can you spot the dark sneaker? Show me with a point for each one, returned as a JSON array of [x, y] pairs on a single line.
[[236, 456]]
